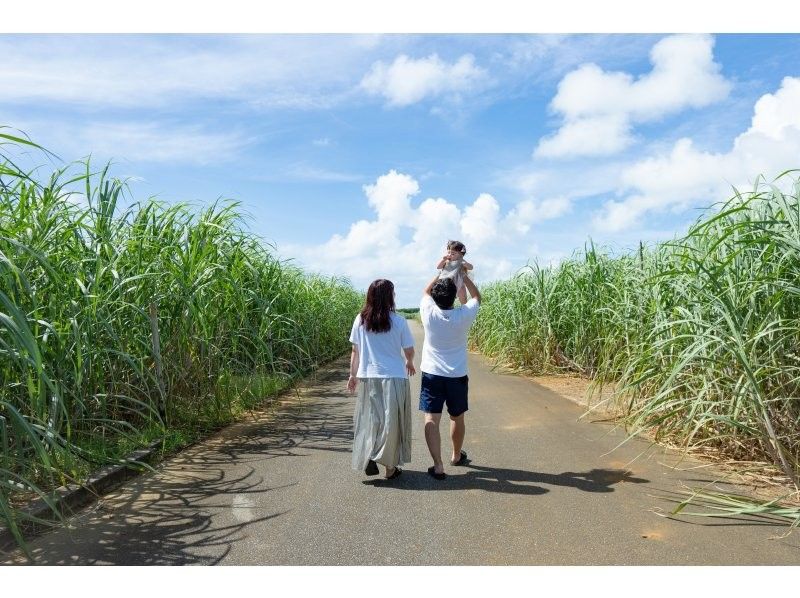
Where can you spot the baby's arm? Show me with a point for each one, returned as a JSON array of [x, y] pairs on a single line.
[[442, 263], [466, 265]]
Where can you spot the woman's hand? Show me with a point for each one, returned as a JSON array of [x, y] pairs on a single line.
[[410, 369], [409, 353], [352, 380]]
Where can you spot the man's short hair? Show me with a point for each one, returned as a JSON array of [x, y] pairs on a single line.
[[444, 293]]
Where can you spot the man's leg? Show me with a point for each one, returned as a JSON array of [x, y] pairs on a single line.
[[434, 440], [457, 431]]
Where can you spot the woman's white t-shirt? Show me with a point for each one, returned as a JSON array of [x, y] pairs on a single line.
[[380, 354]]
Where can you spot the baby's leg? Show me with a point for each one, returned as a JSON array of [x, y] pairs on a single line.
[[462, 294]]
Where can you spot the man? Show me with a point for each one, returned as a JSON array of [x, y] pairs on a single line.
[[444, 366]]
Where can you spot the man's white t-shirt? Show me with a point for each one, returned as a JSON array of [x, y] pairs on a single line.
[[380, 354], [444, 351]]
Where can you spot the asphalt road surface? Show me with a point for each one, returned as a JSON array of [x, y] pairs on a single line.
[[541, 488]]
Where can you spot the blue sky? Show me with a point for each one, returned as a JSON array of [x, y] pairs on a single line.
[[360, 155]]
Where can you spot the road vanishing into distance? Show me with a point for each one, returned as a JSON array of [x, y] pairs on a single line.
[[542, 488]]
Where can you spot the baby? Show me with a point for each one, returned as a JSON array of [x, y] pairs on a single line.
[[452, 265]]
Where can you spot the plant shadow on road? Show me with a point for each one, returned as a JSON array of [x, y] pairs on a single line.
[[512, 481], [176, 518], [200, 503]]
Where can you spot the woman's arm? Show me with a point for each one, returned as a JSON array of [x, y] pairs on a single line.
[[409, 353], [352, 380]]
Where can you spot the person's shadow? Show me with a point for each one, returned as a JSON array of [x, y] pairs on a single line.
[[510, 481]]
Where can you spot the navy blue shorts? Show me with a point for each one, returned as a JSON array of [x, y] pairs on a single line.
[[437, 391]]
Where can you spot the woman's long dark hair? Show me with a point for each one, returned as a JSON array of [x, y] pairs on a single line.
[[379, 304]]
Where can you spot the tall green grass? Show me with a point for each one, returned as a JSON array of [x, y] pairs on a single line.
[[120, 324], [701, 335]]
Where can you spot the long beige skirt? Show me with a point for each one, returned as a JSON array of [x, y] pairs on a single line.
[[382, 422]]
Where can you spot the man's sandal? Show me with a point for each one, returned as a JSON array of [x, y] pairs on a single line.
[[462, 460], [436, 476]]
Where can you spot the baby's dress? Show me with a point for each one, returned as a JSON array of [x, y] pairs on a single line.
[[454, 269]]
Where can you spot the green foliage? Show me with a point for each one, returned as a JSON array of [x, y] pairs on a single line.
[[84, 283], [700, 334], [409, 313]]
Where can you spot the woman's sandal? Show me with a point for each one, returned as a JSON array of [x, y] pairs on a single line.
[[371, 468], [397, 471]]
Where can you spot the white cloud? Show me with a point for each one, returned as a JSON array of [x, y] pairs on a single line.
[[599, 108], [311, 173], [529, 212], [407, 81], [403, 242], [142, 141], [533, 49], [590, 136], [776, 116], [133, 71], [686, 175], [479, 221], [390, 197], [322, 142], [436, 221]]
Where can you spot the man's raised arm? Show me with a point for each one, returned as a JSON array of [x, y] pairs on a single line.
[[428, 288], [473, 290]]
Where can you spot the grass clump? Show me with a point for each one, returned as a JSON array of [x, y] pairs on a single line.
[[699, 335], [121, 324]]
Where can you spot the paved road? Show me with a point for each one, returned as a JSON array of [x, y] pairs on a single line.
[[542, 488]]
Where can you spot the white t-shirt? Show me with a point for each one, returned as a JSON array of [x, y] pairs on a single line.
[[380, 354], [444, 351]]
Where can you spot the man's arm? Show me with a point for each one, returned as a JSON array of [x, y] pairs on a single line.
[[473, 290], [428, 288]]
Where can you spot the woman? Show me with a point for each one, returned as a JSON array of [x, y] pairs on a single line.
[[382, 420]]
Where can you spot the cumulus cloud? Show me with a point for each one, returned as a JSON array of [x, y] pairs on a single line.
[[407, 81], [529, 211], [479, 221], [405, 240], [686, 175], [600, 108]]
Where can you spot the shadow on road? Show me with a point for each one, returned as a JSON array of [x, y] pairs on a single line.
[[201, 502], [290, 436], [511, 481], [161, 520]]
